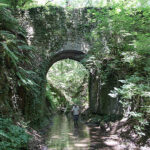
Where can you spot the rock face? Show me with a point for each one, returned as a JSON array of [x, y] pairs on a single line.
[[58, 35]]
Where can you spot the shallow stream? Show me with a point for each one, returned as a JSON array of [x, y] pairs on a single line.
[[64, 136]]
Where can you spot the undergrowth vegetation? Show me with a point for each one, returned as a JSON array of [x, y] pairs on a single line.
[[121, 48], [15, 77], [12, 137]]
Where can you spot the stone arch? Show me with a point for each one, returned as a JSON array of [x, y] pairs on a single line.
[[77, 56], [65, 54]]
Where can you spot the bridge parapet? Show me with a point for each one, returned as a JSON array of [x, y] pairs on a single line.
[[79, 45]]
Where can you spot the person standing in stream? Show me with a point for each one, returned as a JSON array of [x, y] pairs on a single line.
[[76, 112]]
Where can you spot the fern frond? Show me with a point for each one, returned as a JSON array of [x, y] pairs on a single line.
[[11, 54]]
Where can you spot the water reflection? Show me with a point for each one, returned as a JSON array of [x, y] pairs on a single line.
[[63, 135]]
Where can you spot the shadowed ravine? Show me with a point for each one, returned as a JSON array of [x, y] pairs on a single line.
[[63, 136]]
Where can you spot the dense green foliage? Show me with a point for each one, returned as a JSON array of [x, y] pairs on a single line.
[[121, 49], [70, 79], [15, 54], [15, 3], [12, 137], [15, 80]]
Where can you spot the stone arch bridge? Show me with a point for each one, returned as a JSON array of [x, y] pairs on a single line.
[[59, 34]]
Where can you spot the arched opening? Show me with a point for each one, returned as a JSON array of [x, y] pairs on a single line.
[[67, 84], [93, 82], [67, 79]]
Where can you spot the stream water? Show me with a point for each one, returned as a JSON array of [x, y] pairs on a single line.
[[64, 136]]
